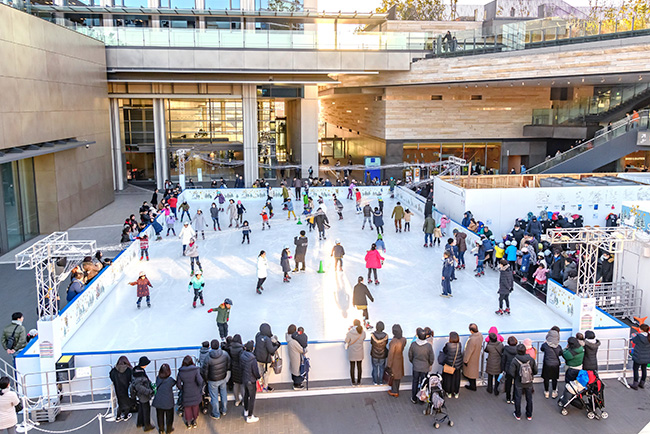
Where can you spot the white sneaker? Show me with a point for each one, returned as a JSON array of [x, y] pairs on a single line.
[[554, 394], [546, 395], [252, 419], [245, 413]]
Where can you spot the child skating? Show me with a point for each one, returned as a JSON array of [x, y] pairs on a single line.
[[289, 207], [214, 213], [447, 273], [284, 262], [240, 212], [197, 284], [192, 252], [265, 219], [374, 261], [185, 209], [360, 296], [505, 286], [232, 213], [143, 284], [223, 316], [338, 206], [357, 196], [246, 231], [144, 246], [437, 235], [199, 223], [407, 220], [170, 220], [338, 252]]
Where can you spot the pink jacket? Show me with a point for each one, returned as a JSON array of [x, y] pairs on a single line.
[[373, 259], [540, 274], [443, 222], [496, 332]]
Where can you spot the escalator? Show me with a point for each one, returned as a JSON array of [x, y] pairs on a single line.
[[623, 138]]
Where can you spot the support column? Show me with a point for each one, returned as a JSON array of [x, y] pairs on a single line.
[[309, 131], [249, 105], [160, 142], [119, 172]]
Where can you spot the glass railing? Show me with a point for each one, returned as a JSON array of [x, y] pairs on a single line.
[[257, 39], [602, 137], [537, 33], [576, 112]]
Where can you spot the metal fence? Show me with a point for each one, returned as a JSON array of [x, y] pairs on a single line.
[[620, 299]]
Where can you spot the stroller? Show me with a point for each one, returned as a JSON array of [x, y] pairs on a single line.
[[432, 394], [586, 392]]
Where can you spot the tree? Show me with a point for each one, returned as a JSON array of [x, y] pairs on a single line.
[[285, 5], [417, 10]]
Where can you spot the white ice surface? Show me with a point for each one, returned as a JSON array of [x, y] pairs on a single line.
[[321, 303]]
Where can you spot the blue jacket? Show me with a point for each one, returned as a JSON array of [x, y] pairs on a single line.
[[164, 398], [380, 244], [447, 268], [511, 253], [641, 353], [481, 252], [488, 246], [525, 262], [289, 205], [76, 287]]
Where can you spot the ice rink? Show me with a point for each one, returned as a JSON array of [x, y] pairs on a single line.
[[321, 303]]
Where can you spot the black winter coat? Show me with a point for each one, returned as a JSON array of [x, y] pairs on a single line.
[[494, 351], [320, 220], [448, 353], [121, 377], [249, 371], [378, 345], [140, 385], [216, 366], [515, 366], [164, 398], [509, 353], [359, 295], [428, 208], [607, 270], [235, 351], [641, 353], [265, 347], [191, 383], [557, 268], [506, 280], [551, 355], [590, 361], [301, 248]]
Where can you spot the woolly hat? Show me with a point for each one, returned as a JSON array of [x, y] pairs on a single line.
[[589, 334]]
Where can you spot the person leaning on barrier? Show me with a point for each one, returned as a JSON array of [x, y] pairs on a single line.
[[14, 336]]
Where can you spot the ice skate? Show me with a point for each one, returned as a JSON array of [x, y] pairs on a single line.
[[369, 280], [285, 280], [507, 311], [499, 312], [148, 304], [258, 291], [376, 282], [430, 244], [426, 245], [202, 235], [138, 304], [194, 304]]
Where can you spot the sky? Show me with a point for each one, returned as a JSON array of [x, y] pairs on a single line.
[[370, 5]]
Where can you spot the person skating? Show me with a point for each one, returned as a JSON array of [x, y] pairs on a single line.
[[144, 246], [246, 231], [374, 261], [360, 296], [141, 390], [381, 245], [472, 356], [240, 212], [214, 213], [452, 248], [235, 349], [265, 219], [461, 243], [199, 223], [322, 222], [186, 234], [447, 274], [398, 215], [197, 284], [523, 368], [301, 244], [223, 316], [338, 206], [357, 197], [288, 204], [170, 221], [192, 252], [249, 375], [185, 210], [479, 252], [266, 345], [338, 252], [297, 185], [551, 363], [284, 263], [380, 202], [428, 227], [367, 216], [407, 220], [143, 284], [506, 282], [378, 220], [232, 213], [421, 357], [269, 206], [262, 266]]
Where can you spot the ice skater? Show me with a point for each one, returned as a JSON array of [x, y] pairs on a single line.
[[338, 206], [380, 202], [322, 222], [223, 316], [338, 252], [186, 234], [447, 273], [240, 211], [214, 213], [262, 270], [378, 220], [428, 228], [505, 286], [232, 213], [367, 216], [199, 223], [360, 296], [192, 252], [407, 220], [437, 235], [479, 252], [301, 244], [381, 245], [269, 206], [143, 284], [284, 262], [265, 219], [170, 220], [144, 246], [185, 209], [351, 190], [289, 207], [374, 261], [398, 215], [453, 252], [246, 231], [357, 196], [197, 284]]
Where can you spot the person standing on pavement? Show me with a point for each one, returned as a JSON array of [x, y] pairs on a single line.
[[249, 375], [641, 356], [191, 383], [494, 350], [141, 389], [235, 349], [8, 402], [551, 363], [523, 368], [163, 401], [14, 336], [301, 244], [354, 344], [296, 354], [378, 353], [217, 373], [472, 356], [451, 355], [395, 360], [422, 357], [266, 345], [121, 376]]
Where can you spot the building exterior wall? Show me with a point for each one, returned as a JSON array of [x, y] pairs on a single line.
[[359, 112], [53, 87]]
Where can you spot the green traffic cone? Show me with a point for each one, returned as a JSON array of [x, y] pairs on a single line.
[[320, 267], [299, 222]]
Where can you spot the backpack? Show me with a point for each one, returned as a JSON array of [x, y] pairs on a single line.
[[525, 372]]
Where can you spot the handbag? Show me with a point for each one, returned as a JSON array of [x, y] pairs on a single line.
[[276, 364], [449, 369], [19, 407], [388, 377]]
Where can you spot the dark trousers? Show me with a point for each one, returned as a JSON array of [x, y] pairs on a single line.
[[407, 226], [198, 263], [140, 300], [245, 238], [643, 367], [144, 252], [249, 397], [472, 383], [372, 270], [223, 329], [163, 415], [550, 382], [300, 263], [395, 387], [358, 366], [380, 229], [198, 294], [492, 382], [215, 222], [508, 386], [260, 282], [183, 215], [415, 385], [297, 192], [502, 298], [144, 414], [528, 392], [461, 258]]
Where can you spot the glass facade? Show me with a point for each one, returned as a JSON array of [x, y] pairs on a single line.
[[19, 200], [272, 136], [484, 154], [279, 5], [223, 23], [177, 4], [178, 22], [223, 4]]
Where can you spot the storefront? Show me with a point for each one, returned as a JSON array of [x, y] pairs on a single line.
[[19, 215]]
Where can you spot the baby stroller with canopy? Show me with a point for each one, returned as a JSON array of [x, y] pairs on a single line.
[[432, 394], [586, 392]]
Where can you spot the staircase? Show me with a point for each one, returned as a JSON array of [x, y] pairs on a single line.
[[608, 145], [632, 98]]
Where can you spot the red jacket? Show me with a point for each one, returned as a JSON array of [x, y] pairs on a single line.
[[144, 243], [373, 259], [143, 286], [172, 202], [358, 195]]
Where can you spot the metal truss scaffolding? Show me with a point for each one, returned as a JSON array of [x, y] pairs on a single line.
[[52, 259]]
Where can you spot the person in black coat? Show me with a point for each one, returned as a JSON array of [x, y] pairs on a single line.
[[215, 372], [121, 376], [452, 355], [266, 344], [607, 268], [235, 350], [551, 364], [359, 299], [428, 208], [191, 383], [509, 353], [590, 361], [141, 389], [506, 286], [557, 267], [322, 222], [522, 389], [250, 375], [163, 402], [301, 243]]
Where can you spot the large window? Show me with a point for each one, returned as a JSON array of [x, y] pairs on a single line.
[[481, 154], [178, 22], [131, 20], [223, 4], [131, 3], [208, 121], [138, 123], [20, 207], [178, 4], [85, 20], [223, 23]]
